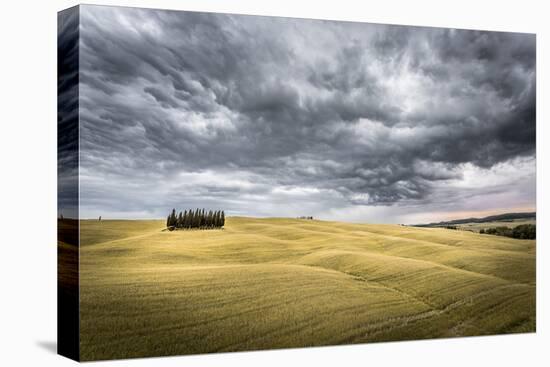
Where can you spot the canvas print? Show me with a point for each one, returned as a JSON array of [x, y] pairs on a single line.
[[236, 183]]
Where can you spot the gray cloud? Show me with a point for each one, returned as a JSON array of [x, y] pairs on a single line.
[[67, 119], [274, 116]]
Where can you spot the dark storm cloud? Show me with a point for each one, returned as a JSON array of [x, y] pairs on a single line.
[[67, 106], [260, 108]]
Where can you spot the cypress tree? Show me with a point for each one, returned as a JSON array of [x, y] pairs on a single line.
[[173, 218], [180, 220], [217, 219], [191, 219], [222, 219], [197, 223]]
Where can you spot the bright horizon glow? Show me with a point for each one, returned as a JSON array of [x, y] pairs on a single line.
[[440, 218]]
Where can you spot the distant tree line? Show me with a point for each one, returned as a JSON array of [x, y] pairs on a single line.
[[198, 218], [304, 217], [523, 231]]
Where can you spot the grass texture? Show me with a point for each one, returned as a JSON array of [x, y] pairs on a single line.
[[285, 283]]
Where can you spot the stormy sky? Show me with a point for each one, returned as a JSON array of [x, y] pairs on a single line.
[[267, 116]]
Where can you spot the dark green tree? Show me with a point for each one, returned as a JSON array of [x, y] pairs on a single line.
[[197, 223], [191, 219], [180, 221], [173, 218], [185, 219]]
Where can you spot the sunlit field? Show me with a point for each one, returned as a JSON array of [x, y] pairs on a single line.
[[280, 283]]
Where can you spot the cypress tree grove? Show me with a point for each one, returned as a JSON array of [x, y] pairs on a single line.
[[198, 218]]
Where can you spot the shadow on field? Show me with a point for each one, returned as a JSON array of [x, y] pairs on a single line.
[[48, 345]]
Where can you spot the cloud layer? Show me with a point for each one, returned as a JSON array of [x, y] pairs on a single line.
[[279, 116]]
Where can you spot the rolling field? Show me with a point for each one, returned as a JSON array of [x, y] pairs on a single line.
[[279, 283]]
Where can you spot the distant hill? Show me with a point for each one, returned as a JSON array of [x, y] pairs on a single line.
[[491, 218]]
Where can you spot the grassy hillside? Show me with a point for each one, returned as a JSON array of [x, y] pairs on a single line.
[[476, 227], [276, 283], [510, 220]]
